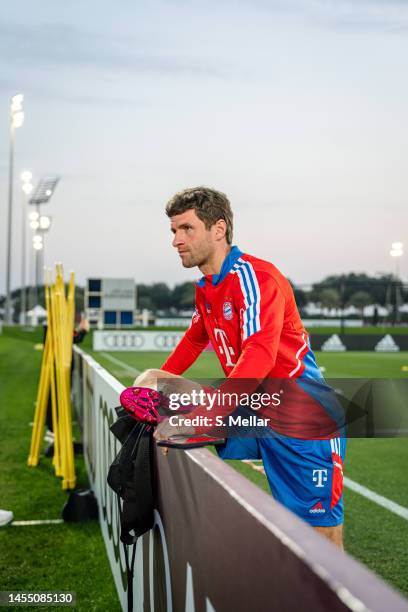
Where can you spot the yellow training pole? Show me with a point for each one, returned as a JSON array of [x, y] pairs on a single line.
[[69, 326], [59, 366], [54, 409], [64, 345], [55, 377], [40, 407], [57, 423], [42, 400]]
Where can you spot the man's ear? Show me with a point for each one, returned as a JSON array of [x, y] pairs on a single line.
[[220, 229]]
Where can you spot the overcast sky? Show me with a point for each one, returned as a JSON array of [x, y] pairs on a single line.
[[297, 109]]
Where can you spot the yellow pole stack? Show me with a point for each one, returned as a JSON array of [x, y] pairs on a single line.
[[55, 378], [41, 405], [52, 329]]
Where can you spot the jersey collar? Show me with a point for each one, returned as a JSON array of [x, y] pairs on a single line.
[[215, 279]]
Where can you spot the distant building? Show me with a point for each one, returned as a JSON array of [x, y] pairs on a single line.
[[36, 316], [110, 302]]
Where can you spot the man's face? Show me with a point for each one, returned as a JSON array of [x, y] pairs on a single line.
[[194, 243]]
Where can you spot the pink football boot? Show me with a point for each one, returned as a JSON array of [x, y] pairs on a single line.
[[143, 404]]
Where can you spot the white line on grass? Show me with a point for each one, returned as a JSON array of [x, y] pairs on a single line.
[[377, 499], [122, 364], [384, 502], [43, 522]]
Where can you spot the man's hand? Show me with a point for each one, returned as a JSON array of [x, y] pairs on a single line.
[[164, 430], [84, 325]]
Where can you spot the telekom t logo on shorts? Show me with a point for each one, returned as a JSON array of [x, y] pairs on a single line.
[[224, 349], [319, 477]]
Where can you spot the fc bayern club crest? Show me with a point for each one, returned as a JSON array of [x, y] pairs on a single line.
[[227, 311], [196, 316]]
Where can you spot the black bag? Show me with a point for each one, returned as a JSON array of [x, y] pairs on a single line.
[[81, 505], [131, 477]]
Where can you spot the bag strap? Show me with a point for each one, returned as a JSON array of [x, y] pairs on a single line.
[[139, 435], [129, 567]]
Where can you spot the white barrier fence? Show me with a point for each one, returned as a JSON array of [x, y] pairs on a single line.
[[219, 542], [96, 394]]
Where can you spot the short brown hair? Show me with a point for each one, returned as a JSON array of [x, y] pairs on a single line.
[[210, 206]]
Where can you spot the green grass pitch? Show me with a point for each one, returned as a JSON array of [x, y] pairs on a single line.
[[63, 557], [373, 534]]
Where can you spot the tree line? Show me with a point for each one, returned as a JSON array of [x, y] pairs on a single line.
[[334, 291]]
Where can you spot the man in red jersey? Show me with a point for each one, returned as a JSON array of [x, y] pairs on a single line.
[[246, 308]]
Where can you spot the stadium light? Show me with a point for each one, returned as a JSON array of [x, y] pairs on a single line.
[[27, 187], [17, 114], [397, 251], [26, 176], [34, 215], [38, 242], [44, 190], [42, 195], [45, 223], [16, 121]]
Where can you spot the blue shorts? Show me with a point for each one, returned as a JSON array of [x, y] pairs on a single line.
[[306, 476]]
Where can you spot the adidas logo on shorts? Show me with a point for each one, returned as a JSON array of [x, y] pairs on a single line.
[[317, 509]]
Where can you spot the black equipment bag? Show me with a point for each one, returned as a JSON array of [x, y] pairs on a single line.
[[131, 477], [81, 505]]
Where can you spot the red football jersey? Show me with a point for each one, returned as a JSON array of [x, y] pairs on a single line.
[[249, 314]]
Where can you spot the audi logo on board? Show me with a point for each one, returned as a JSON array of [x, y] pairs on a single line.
[[167, 341], [130, 341], [135, 341]]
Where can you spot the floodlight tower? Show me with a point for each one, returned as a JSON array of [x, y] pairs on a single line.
[[16, 121], [41, 223], [27, 187], [44, 224], [397, 251]]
